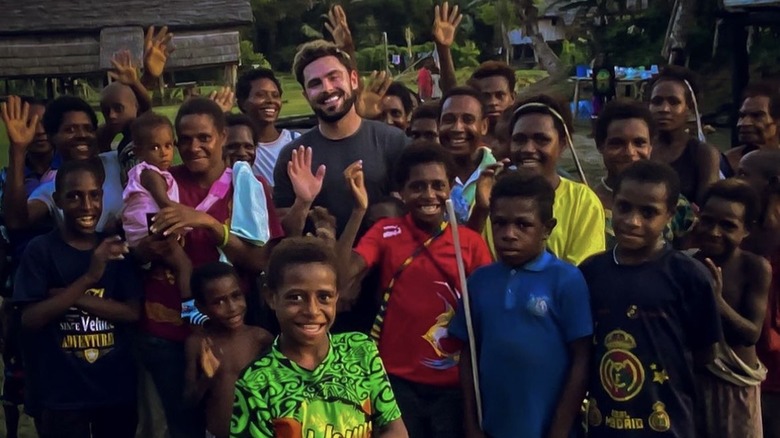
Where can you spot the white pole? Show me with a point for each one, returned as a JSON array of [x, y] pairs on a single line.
[[466, 307]]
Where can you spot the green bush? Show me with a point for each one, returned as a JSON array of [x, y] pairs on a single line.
[[250, 58]]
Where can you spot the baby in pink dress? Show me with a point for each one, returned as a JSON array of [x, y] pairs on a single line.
[[150, 187]]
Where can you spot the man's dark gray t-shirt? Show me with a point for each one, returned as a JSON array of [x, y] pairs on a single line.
[[376, 143]]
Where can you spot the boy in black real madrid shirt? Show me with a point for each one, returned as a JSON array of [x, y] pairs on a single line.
[[654, 316], [78, 294]]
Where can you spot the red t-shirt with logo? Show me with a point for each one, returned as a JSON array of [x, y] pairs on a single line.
[[414, 344], [162, 306]]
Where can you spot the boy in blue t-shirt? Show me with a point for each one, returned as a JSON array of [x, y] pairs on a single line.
[[531, 319], [78, 294]]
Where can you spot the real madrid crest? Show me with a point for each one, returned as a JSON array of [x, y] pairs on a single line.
[[621, 372]]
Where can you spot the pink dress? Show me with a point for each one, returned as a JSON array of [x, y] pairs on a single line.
[[138, 202]]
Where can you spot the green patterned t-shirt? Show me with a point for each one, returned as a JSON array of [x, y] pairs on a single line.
[[347, 395]]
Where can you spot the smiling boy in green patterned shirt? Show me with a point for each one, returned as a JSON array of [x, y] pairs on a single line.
[[311, 383]]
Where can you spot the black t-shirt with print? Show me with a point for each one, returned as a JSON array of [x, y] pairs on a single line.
[[648, 319], [79, 360]]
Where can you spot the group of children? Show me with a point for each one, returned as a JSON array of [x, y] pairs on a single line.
[[584, 315]]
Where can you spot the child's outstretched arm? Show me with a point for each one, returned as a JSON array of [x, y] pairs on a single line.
[[157, 187], [197, 378], [352, 265]]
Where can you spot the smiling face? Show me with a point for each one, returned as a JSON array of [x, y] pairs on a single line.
[[224, 302], [305, 303], [330, 87], [81, 202], [640, 214], [627, 141], [536, 145], [721, 227], [425, 193], [75, 139], [669, 106], [264, 102], [240, 146], [518, 231], [200, 144], [462, 125]]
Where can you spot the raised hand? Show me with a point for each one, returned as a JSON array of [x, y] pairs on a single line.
[[356, 181], [369, 104], [224, 97], [156, 50], [111, 248], [208, 361], [306, 185], [485, 183], [124, 70], [19, 124], [445, 23], [338, 27]]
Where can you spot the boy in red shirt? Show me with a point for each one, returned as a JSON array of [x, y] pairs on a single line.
[[415, 255]]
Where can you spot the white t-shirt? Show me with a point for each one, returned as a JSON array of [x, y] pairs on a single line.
[[112, 193], [268, 153]]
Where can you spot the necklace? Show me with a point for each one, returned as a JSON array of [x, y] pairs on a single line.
[[661, 243], [604, 183]]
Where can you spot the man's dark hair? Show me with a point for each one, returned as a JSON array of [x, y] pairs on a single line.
[[541, 104], [464, 91], [207, 273], [244, 84], [770, 91], [514, 184], [622, 109], [400, 91], [488, 69], [422, 152], [201, 105], [297, 251], [243, 120], [736, 190], [675, 73], [143, 125], [57, 108], [314, 50], [653, 172], [426, 111], [92, 165]]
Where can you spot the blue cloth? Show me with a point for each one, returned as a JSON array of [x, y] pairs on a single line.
[[250, 208], [524, 319]]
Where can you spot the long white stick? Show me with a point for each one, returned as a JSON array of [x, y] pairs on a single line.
[[466, 307]]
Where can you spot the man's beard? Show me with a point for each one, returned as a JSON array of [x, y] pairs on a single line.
[[327, 117]]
